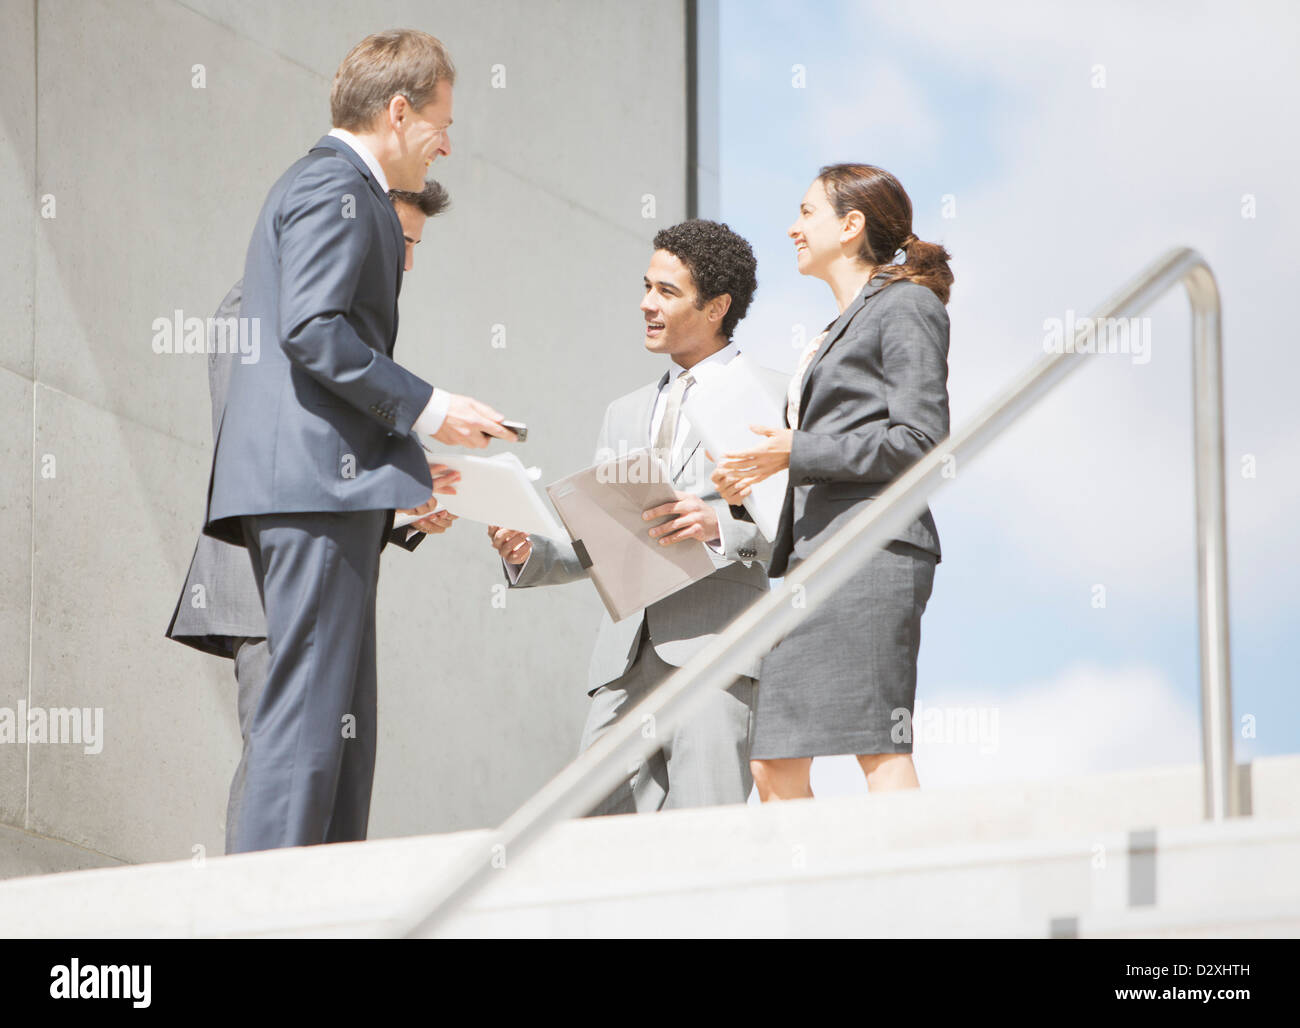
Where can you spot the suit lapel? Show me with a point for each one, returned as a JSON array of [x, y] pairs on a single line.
[[347, 153], [336, 145], [836, 330]]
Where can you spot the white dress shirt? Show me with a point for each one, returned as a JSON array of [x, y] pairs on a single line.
[[435, 411]]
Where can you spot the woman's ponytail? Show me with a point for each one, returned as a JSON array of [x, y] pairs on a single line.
[[887, 212], [925, 264]]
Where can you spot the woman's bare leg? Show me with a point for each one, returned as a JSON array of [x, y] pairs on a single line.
[[785, 778], [888, 771]]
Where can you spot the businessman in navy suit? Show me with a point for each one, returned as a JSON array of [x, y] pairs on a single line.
[[317, 445], [219, 610]]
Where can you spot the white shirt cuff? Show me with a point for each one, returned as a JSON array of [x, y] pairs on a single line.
[[434, 413], [720, 547], [513, 571]]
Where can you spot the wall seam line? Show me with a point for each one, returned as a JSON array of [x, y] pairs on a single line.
[[31, 535], [255, 42]]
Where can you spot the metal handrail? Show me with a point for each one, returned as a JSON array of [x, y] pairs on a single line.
[[583, 783]]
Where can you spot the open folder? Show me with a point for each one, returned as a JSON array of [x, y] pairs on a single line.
[[495, 490], [721, 409], [601, 507]]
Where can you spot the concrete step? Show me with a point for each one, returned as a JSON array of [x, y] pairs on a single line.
[[24, 853], [1106, 854]]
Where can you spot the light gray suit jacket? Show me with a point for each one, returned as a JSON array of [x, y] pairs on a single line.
[[873, 402], [680, 624]]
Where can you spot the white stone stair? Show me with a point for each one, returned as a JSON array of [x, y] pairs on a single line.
[[1107, 855]]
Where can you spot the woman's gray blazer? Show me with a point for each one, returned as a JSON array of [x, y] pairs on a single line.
[[874, 400]]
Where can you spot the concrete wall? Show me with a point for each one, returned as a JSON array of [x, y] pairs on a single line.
[[104, 446]]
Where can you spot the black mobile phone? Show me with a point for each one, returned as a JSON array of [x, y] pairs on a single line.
[[518, 428]]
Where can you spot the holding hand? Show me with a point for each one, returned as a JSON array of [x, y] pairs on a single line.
[[444, 478], [471, 423], [513, 546], [695, 520], [438, 521], [739, 472]]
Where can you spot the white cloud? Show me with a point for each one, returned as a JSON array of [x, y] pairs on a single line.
[[879, 103], [1089, 185]]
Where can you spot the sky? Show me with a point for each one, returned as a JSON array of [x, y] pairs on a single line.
[[1056, 150]]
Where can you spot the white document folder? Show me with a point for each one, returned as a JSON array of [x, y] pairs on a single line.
[[495, 490], [721, 410], [601, 507]]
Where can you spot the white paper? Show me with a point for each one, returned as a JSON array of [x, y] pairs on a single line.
[[721, 409], [495, 490]]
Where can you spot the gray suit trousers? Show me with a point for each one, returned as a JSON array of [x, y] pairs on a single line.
[[251, 657], [309, 749], [704, 763]]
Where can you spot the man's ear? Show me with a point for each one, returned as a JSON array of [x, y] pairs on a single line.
[[719, 306], [399, 108]]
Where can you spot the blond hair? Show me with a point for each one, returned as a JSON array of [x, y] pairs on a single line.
[[405, 61]]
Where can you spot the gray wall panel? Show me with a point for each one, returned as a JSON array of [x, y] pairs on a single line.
[[157, 185]]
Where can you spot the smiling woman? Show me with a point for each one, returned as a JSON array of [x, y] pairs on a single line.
[[869, 399]]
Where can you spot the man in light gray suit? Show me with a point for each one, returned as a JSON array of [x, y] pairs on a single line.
[[698, 286], [319, 440], [219, 610]]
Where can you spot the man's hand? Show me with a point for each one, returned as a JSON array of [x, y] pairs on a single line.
[[470, 423], [739, 472], [694, 519], [444, 479], [513, 546], [437, 522]]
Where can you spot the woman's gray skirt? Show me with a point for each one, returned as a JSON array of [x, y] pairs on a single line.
[[844, 680]]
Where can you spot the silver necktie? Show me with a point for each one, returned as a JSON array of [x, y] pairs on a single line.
[[663, 447]]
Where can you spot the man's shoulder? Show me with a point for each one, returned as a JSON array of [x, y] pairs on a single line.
[[324, 165], [320, 169], [633, 403]]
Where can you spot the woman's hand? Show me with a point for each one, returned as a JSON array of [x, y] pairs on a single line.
[[740, 472]]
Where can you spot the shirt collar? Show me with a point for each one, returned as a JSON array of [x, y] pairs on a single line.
[[364, 153], [709, 364]]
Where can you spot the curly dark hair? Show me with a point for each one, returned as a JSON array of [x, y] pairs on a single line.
[[719, 261]]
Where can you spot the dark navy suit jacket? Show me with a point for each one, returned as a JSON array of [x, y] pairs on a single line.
[[228, 607], [323, 420]]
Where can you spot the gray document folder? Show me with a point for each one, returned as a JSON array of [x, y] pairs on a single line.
[[601, 509]]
